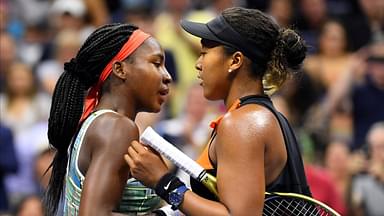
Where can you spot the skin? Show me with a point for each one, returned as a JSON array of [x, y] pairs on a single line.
[[101, 156], [249, 148], [31, 207]]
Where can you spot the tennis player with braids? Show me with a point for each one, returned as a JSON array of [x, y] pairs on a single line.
[[252, 149], [121, 70]]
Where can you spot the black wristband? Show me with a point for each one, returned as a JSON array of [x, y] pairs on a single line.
[[166, 184]]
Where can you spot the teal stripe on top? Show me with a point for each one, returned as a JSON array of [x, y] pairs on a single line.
[[136, 199]]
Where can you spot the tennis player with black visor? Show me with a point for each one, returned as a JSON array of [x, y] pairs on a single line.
[[245, 57]]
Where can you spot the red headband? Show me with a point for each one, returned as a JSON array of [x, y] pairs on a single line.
[[92, 99]]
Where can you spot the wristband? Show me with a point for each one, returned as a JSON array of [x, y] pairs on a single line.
[[168, 183]]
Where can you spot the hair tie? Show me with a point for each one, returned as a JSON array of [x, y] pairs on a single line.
[[71, 66]]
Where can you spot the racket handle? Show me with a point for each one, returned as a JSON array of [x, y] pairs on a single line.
[[209, 181]]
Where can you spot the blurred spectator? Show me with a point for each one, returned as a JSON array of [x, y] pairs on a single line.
[[367, 25], [368, 97], [69, 12], [29, 206], [363, 84], [7, 56], [342, 8], [326, 66], [33, 44], [28, 144], [66, 44], [312, 14], [8, 23], [325, 70], [21, 108], [4, 15], [106, 11], [336, 163], [8, 163], [21, 105], [98, 11], [341, 166], [368, 190], [281, 11], [70, 15], [31, 12], [323, 188], [140, 13]]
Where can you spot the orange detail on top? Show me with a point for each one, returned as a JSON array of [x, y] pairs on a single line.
[[92, 99], [217, 121], [203, 160]]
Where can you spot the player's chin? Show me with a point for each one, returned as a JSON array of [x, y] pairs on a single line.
[[156, 103], [156, 106], [156, 109], [210, 95]]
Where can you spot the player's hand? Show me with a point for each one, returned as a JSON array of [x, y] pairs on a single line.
[[145, 164]]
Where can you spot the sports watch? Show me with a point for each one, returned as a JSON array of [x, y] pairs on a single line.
[[176, 196]]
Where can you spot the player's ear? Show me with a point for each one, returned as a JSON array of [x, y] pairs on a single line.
[[119, 69], [236, 61]]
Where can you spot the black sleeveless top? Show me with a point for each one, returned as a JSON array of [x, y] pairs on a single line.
[[292, 178]]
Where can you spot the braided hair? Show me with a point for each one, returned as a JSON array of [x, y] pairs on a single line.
[[79, 75]]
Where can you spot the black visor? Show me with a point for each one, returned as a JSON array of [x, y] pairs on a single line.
[[220, 31]]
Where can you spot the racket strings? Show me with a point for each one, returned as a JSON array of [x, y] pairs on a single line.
[[285, 207]]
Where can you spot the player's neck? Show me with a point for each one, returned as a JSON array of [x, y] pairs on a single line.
[[124, 107], [243, 88]]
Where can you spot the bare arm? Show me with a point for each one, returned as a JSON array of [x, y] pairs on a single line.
[[107, 173], [240, 158], [342, 89]]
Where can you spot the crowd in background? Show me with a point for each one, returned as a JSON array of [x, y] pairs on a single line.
[[335, 103]]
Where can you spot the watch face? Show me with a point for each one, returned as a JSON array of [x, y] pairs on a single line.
[[175, 198]]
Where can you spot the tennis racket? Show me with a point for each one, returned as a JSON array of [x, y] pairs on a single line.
[[181, 160], [275, 203]]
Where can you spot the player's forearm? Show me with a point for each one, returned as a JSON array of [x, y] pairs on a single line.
[[194, 205]]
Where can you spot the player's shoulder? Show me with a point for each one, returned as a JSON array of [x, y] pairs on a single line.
[[248, 116], [113, 127]]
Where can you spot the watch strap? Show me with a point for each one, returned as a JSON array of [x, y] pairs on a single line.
[[180, 191]]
